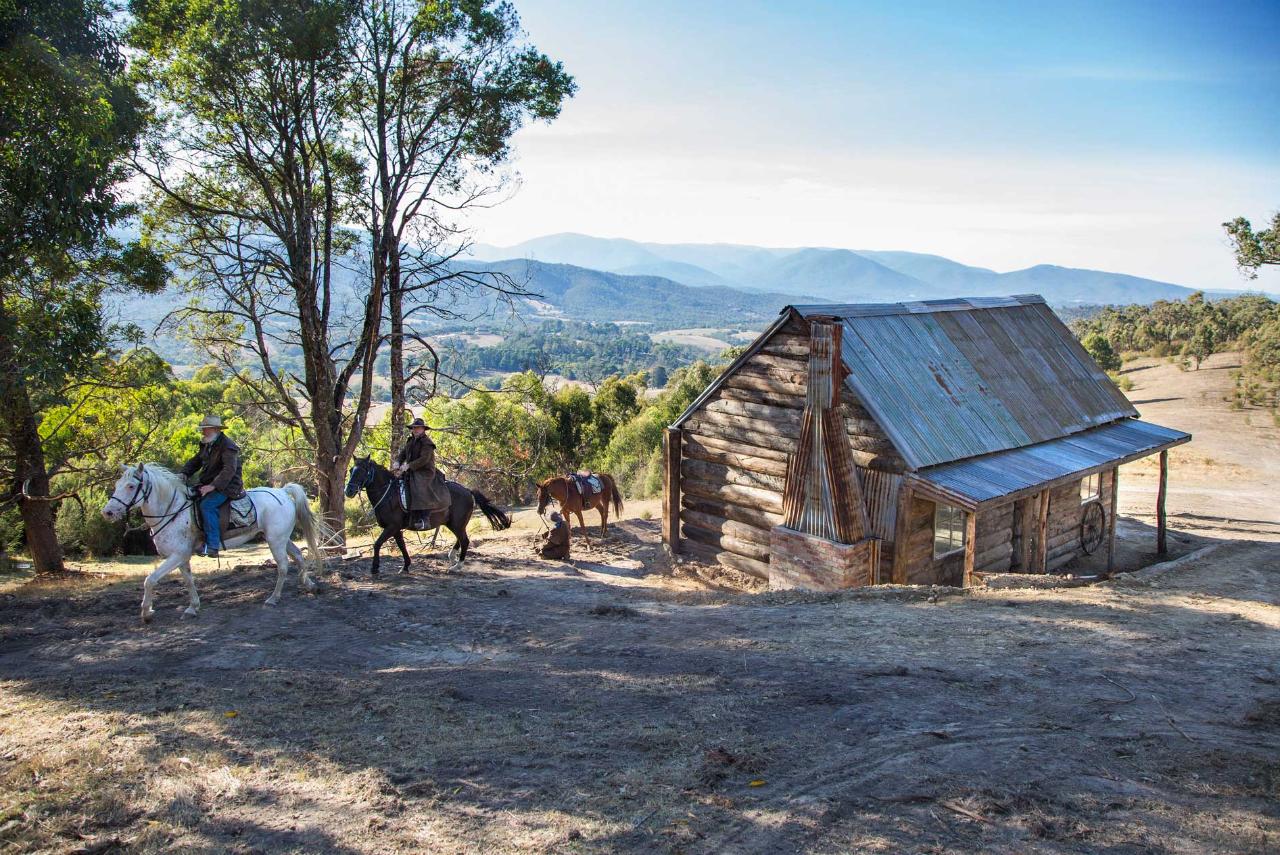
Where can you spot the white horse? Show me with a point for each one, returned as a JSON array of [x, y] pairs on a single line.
[[166, 505]]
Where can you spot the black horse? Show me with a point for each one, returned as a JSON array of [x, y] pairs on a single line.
[[383, 491]]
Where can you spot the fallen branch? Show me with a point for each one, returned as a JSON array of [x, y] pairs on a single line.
[[964, 811], [1132, 697]]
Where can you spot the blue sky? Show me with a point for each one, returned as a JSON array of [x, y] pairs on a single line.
[[1108, 135]]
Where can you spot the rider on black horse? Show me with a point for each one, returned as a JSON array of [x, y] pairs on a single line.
[[427, 489]]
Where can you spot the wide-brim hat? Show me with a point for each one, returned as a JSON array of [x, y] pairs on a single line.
[[419, 423], [211, 422]]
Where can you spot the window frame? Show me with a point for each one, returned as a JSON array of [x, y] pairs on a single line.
[[1096, 495], [957, 525]]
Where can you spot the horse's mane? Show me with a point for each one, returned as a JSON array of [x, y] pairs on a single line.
[[164, 476]]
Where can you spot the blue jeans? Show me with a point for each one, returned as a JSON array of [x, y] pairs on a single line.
[[209, 511]]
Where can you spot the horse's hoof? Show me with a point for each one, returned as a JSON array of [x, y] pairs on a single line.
[[457, 565], [146, 615], [309, 586], [190, 612], [272, 600], [373, 571]]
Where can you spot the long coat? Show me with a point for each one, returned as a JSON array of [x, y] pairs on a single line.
[[218, 463], [427, 488], [557, 542]]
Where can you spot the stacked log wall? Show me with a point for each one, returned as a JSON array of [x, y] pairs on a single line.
[[993, 552], [1065, 513], [734, 456]]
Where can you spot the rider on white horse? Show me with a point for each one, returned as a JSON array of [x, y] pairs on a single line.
[[219, 480]]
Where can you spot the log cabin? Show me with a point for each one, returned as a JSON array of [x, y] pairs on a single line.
[[907, 443]]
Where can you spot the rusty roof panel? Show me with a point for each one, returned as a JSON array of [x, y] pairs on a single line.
[[953, 379], [994, 476]]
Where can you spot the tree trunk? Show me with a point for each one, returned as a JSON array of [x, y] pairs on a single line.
[[18, 421], [396, 298], [330, 469]]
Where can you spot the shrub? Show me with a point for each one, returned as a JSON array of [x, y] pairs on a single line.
[[82, 530]]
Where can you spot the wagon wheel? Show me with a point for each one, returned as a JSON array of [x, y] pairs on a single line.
[[1093, 525]]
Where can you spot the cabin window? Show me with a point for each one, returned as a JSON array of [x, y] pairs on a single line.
[[948, 530], [1091, 487]]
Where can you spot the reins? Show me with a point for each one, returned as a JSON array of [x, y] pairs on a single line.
[[140, 498], [373, 507]]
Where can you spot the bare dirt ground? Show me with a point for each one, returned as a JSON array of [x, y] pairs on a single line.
[[1225, 482], [616, 703]]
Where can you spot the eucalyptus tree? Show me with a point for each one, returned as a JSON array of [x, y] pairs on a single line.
[[288, 130], [441, 89], [253, 180], [1254, 249], [68, 119]]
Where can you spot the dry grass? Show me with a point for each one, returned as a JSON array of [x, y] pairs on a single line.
[[605, 706]]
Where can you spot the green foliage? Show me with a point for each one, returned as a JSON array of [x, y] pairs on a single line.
[[1254, 249], [634, 452], [69, 117], [1099, 347], [1193, 330], [82, 529], [578, 351], [143, 414]]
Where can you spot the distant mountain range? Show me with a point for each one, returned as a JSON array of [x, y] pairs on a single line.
[[836, 275], [683, 286], [583, 294]]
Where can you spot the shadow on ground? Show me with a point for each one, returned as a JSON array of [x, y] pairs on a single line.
[[526, 706]]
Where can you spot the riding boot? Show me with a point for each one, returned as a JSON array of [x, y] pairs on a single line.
[[420, 520]]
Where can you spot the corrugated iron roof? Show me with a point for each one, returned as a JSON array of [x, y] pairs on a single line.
[[954, 379], [995, 476]]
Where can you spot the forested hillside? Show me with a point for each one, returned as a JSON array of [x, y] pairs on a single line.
[[1192, 330]]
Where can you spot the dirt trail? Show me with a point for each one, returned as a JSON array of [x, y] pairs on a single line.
[[528, 706]]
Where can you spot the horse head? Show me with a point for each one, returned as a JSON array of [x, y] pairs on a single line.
[[362, 472], [130, 491], [544, 496]]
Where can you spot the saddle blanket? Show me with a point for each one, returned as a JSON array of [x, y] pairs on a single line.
[[235, 514], [586, 483], [242, 513]]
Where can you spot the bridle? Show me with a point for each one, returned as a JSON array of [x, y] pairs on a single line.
[[140, 497], [368, 479]]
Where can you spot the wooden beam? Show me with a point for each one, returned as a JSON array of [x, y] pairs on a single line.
[[671, 489], [1042, 534], [753, 516], [713, 555], [1161, 546], [1018, 537], [1111, 519], [901, 533], [970, 547]]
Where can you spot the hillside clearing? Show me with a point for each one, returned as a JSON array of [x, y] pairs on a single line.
[[524, 705]]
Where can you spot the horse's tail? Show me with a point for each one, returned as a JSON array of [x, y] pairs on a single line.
[[494, 514], [614, 493], [313, 529]]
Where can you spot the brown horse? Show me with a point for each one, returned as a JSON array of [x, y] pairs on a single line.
[[570, 501]]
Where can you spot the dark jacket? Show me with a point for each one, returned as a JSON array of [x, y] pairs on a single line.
[[557, 542], [218, 463], [427, 488]]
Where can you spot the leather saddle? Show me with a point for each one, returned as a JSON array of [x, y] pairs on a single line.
[[587, 484], [233, 517]]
